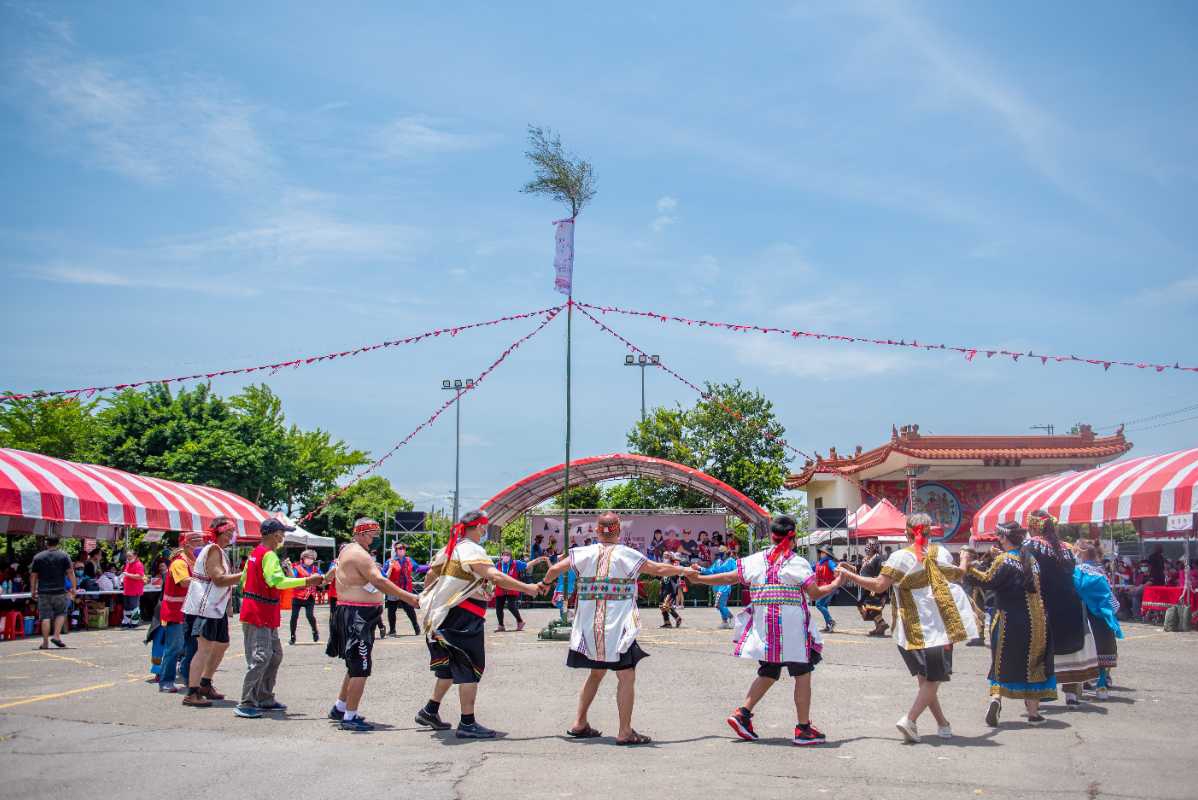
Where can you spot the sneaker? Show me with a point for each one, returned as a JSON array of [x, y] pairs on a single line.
[[501, 629], [335, 714], [945, 731], [433, 721], [519, 627], [808, 735], [665, 625], [993, 711], [908, 729], [292, 640], [168, 688], [247, 712], [196, 701], [1101, 693], [275, 706], [678, 622], [742, 723], [316, 637], [978, 642], [473, 731], [356, 725], [1071, 699], [1035, 719]]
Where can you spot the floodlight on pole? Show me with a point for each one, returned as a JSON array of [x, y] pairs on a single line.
[[642, 361], [458, 385]]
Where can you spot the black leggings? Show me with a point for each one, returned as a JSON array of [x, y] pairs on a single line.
[[392, 606], [512, 602], [309, 607]]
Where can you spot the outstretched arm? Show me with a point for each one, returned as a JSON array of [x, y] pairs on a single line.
[[667, 570], [498, 578], [815, 591], [715, 579], [878, 585], [388, 588], [556, 570]]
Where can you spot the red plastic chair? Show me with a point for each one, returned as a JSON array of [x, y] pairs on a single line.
[[14, 625]]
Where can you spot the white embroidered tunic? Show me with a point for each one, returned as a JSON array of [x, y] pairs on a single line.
[[933, 609], [606, 621], [776, 627]]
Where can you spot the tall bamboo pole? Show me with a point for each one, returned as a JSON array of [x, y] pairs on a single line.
[[566, 485]]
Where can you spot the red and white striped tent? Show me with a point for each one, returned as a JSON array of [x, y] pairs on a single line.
[[1149, 486], [44, 495]]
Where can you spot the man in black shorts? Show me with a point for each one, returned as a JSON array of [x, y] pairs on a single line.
[[49, 589], [360, 590]]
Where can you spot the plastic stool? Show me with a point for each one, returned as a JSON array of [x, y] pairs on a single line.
[[14, 625]]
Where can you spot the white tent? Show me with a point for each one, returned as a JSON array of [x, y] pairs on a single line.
[[303, 538]]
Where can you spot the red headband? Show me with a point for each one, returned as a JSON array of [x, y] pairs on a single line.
[[921, 541], [367, 527], [783, 544], [459, 529], [215, 529]]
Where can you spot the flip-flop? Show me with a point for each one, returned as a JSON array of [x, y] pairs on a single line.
[[637, 738], [586, 733]]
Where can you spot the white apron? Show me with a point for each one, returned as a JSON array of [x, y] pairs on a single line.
[[606, 622]]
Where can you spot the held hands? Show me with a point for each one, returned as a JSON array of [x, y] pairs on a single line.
[[314, 580]]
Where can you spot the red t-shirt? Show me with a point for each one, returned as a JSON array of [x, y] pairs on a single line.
[[135, 587]]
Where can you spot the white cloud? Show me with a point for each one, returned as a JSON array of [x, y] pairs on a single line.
[[666, 206], [1180, 292], [88, 276], [152, 131], [826, 361], [416, 136]]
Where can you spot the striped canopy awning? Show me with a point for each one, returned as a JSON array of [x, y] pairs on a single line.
[[44, 495], [1149, 486]]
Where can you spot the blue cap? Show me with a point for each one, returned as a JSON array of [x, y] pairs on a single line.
[[272, 525]]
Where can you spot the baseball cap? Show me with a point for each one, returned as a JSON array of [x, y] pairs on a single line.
[[272, 525]]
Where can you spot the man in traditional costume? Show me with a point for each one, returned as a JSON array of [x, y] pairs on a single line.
[[932, 613], [606, 622], [871, 605], [776, 628], [360, 590], [1021, 649], [456, 590]]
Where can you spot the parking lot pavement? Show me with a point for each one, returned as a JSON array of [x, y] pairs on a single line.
[[82, 721]]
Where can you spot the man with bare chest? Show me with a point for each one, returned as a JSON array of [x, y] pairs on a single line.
[[360, 591]]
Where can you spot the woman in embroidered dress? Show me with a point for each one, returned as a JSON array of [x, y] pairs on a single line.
[[776, 629], [1102, 609], [931, 613], [1075, 659], [1021, 650]]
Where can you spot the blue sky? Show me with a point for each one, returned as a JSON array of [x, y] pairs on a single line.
[[215, 185]]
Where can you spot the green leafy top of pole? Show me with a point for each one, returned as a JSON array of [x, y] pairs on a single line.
[[559, 175]]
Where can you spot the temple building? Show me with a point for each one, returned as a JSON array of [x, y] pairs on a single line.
[[951, 476]]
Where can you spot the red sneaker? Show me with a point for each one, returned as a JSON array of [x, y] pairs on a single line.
[[808, 735], [742, 723]]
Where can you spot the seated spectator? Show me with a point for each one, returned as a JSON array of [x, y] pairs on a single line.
[[107, 580], [92, 568]]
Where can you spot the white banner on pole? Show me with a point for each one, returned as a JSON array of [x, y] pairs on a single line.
[[563, 256], [1180, 522]]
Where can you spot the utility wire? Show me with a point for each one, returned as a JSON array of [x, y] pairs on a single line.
[[1151, 417]]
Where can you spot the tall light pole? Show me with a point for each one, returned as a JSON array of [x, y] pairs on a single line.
[[642, 361], [457, 385]]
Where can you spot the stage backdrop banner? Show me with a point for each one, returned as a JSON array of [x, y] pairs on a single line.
[[636, 530]]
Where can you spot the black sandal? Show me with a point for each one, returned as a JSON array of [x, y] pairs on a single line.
[[637, 738], [586, 733]]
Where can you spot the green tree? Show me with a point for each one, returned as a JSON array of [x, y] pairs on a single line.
[[57, 426], [588, 495], [370, 497], [731, 434]]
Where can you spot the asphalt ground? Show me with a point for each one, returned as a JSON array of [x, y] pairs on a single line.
[[82, 722]]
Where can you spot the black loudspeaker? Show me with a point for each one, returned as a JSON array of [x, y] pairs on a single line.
[[831, 518], [408, 521]]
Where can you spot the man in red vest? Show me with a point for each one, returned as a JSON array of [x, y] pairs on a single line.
[[170, 612], [262, 585]]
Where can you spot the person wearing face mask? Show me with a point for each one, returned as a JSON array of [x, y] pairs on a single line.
[[776, 629], [401, 570], [304, 597], [206, 611], [510, 598]]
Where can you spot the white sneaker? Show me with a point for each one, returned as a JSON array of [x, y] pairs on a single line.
[[907, 728], [1101, 693], [945, 731]]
